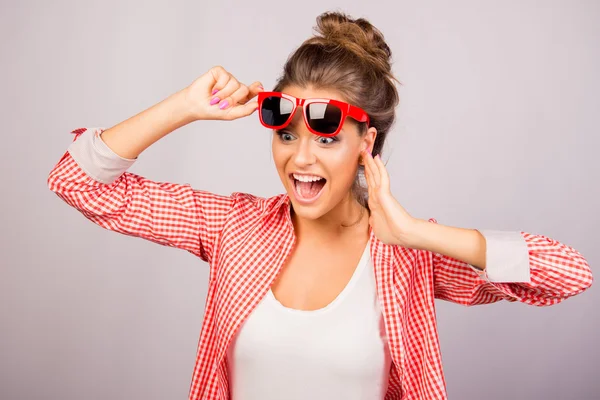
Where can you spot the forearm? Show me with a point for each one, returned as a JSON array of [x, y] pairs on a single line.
[[467, 245], [131, 137]]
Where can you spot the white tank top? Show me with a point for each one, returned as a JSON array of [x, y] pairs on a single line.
[[336, 352]]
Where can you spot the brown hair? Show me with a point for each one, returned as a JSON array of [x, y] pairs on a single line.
[[349, 56]]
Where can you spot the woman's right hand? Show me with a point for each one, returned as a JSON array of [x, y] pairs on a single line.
[[233, 97]]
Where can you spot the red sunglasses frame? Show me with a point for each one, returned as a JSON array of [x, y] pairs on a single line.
[[347, 110]]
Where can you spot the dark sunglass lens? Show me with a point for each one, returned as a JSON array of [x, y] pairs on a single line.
[[276, 110], [324, 117]]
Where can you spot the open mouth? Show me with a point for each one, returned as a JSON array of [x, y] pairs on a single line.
[[307, 188]]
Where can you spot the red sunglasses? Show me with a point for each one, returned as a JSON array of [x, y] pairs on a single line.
[[323, 117]]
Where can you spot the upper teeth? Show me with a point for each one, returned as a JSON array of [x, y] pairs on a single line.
[[307, 178]]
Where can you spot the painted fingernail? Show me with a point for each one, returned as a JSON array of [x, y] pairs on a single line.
[[214, 91], [215, 101], [261, 88], [224, 104]]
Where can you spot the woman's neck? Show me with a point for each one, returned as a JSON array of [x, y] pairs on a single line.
[[347, 220]]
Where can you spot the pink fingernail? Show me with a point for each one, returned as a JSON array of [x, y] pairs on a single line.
[[215, 101], [214, 91], [224, 104]]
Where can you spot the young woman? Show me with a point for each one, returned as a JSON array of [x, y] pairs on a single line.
[[326, 291]]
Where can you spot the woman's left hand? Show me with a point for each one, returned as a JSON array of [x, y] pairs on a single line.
[[390, 221]]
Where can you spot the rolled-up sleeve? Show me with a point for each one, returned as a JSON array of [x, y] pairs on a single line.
[[507, 257], [96, 158]]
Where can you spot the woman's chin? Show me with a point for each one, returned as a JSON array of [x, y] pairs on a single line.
[[311, 212]]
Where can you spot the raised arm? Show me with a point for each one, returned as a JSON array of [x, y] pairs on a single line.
[[484, 266], [91, 176], [477, 267]]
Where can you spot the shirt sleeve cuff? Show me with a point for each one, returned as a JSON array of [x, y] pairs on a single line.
[[96, 159], [506, 259]]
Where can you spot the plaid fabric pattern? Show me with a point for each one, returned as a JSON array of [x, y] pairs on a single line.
[[246, 239]]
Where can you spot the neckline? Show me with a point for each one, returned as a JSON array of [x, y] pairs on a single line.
[[362, 263]]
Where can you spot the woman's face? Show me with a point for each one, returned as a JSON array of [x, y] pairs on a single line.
[[331, 163]]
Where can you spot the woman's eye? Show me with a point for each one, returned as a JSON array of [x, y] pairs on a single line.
[[285, 136], [326, 140]]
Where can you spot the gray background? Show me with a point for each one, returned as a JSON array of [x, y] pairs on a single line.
[[497, 129]]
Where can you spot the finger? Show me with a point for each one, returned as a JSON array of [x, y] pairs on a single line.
[[242, 110], [372, 181], [373, 169], [367, 171], [224, 95], [240, 96], [370, 185], [376, 173], [368, 180], [254, 89], [220, 77], [385, 178]]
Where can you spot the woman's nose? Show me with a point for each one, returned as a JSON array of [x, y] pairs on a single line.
[[304, 154]]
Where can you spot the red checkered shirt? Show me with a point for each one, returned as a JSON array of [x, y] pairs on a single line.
[[246, 239]]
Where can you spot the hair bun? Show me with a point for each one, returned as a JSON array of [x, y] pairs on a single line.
[[358, 35]]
